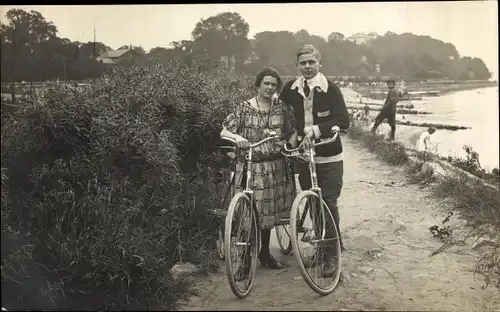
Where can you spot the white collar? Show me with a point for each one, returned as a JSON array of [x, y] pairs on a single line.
[[319, 81]]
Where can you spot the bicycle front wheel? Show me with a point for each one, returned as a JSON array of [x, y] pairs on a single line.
[[315, 242], [283, 237], [241, 244]]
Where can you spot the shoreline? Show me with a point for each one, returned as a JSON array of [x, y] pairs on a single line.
[[408, 131], [428, 87]]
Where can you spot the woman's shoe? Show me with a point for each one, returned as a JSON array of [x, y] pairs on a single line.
[[270, 262]]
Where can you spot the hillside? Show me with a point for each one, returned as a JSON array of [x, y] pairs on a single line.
[[407, 55]]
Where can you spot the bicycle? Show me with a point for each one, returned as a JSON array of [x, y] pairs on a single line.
[[247, 224], [282, 231], [313, 234]]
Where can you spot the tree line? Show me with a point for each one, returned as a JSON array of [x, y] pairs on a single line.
[[32, 51]]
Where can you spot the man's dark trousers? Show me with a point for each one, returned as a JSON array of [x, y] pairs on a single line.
[[330, 180]]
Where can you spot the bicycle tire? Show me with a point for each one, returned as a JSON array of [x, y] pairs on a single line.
[[295, 245], [228, 193], [286, 250], [254, 249]]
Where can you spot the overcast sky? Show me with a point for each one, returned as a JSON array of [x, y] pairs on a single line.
[[472, 26]]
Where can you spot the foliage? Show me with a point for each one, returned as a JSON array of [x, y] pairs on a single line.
[[32, 51], [442, 232], [224, 34], [472, 165], [104, 188], [41, 55], [406, 55]]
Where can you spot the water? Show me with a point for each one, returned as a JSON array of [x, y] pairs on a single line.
[[477, 109]]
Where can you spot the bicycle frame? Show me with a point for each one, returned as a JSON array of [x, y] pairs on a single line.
[[314, 179], [248, 161]]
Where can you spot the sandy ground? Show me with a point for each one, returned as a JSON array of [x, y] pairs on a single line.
[[387, 264]]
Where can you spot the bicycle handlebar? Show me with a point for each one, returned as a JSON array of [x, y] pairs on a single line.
[[335, 130], [274, 136]]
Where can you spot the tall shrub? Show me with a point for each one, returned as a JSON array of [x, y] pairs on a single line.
[[105, 187]]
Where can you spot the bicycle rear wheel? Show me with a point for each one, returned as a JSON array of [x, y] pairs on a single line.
[[241, 244], [312, 248], [228, 193]]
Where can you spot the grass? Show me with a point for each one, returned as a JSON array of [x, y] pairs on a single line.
[[473, 193], [389, 151]]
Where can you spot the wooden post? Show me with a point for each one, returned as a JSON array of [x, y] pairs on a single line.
[[13, 90]]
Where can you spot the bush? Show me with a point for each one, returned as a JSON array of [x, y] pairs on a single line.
[[105, 188], [472, 165]]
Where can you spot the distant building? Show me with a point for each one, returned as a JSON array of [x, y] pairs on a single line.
[[362, 38], [253, 57], [117, 57], [365, 68], [228, 62], [335, 37]]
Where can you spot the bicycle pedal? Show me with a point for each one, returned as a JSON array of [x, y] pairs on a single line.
[[306, 238]]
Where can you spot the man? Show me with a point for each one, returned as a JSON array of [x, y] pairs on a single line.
[[389, 109], [318, 105]]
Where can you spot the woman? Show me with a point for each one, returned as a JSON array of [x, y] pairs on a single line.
[[272, 181]]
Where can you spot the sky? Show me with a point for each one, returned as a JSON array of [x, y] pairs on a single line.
[[472, 26]]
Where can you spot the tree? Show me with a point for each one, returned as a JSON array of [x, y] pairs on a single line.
[[162, 55], [224, 34], [336, 37], [477, 69], [270, 51], [23, 35], [302, 36], [137, 49]]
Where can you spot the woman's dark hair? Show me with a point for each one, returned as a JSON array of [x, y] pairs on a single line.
[[268, 71], [391, 80]]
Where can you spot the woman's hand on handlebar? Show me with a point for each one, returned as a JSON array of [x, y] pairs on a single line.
[[241, 142], [307, 141], [280, 143]]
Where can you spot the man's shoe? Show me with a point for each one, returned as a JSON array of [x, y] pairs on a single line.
[[312, 261], [243, 273], [329, 268]]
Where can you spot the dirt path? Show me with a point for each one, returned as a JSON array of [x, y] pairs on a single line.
[[392, 222]]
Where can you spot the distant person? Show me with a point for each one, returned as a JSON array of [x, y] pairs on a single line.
[[388, 110], [424, 143], [366, 110]]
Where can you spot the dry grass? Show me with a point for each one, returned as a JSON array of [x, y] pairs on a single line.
[[478, 204], [390, 151]]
